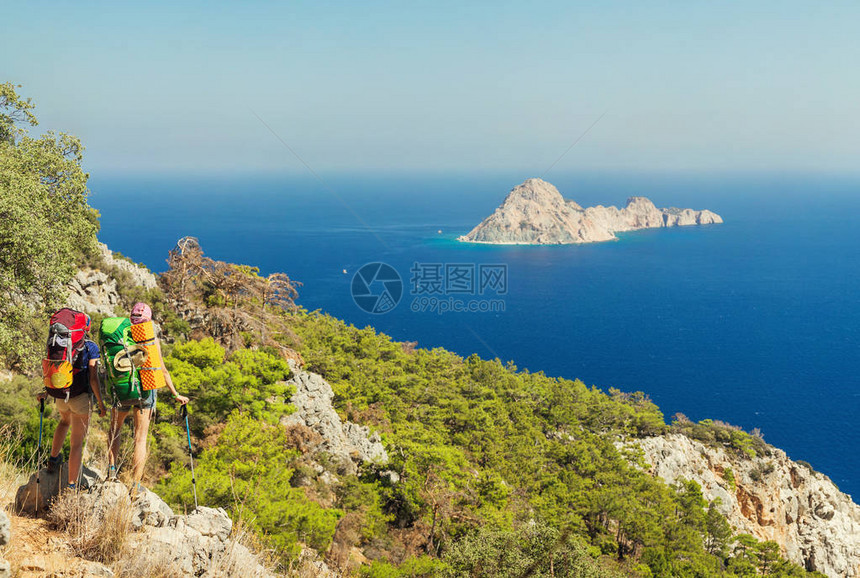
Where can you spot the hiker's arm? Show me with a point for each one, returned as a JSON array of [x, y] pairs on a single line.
[[180, 398], [94, 385]]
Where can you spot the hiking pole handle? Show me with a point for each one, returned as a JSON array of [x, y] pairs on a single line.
[[183, 411], [42, 405]]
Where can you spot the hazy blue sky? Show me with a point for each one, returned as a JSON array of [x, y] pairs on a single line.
[[444, 85]]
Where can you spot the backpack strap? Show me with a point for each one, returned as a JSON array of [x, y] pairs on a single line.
[[134, 382]]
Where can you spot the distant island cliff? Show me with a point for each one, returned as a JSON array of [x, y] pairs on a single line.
[[535, 213]]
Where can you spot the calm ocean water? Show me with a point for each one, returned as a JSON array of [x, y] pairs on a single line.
[[754, 322]]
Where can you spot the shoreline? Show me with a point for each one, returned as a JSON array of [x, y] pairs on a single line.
[[461, 239]]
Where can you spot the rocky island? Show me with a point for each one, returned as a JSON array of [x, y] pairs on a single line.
[[535, 213]]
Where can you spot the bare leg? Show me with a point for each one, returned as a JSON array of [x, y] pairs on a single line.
[[80, 424], [141, 430], [117, 419], [60, 433]]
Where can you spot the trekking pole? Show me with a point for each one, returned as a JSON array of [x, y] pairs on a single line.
[[183, 412], [84, 445], [39, 451]]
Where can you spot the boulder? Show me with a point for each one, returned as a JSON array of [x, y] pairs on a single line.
[[36, 495], [198, 544], [149, 510], [163, 547], [210, 522]]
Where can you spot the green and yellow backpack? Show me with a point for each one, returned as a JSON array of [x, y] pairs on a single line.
[[131, 359]]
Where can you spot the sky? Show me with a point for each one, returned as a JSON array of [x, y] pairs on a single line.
[[378, 86]]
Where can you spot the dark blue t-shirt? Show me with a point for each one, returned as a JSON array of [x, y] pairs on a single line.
[[81, 379]]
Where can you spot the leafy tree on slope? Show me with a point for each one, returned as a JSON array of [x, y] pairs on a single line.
[[47, 225]]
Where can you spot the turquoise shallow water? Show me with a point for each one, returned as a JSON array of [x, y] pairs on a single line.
[[754, 322]]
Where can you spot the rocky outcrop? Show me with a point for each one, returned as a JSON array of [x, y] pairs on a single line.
[[35, 497], [535, 213], [158, 541], [348, 443], [772, 498], [138, 275], [198, 544], [95, 291]]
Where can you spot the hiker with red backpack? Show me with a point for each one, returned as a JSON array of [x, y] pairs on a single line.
[[70, 376], [134, 372]]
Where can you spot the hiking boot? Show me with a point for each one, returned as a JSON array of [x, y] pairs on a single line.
[[135, 490], [81, 486], [54, 464]]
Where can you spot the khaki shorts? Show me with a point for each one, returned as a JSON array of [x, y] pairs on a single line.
[[80, 404]]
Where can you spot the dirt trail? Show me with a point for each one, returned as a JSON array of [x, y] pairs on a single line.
[[37, 550]]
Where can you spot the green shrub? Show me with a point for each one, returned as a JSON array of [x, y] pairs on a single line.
[[729, 477], [249, 382], [420, 567], [531, 550]]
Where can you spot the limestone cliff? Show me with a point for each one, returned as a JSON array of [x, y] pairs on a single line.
[[772, 498], [535, 213], [95, 291]]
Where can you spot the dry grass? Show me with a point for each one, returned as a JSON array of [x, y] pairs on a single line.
[[95, 444], [104, 534], [12, 473], [98, 534]]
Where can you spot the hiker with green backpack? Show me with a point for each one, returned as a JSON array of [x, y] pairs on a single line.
[[134, 371]]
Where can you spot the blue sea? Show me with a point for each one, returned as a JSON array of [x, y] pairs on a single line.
[[754, 322]]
